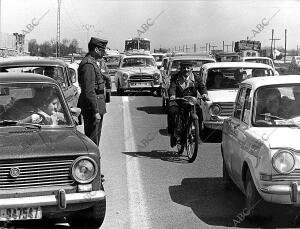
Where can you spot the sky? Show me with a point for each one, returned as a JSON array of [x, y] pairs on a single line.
[[171, 23]]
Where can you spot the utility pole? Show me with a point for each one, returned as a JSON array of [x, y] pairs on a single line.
[[87, 27], [284, 45], [273, 39], [224, 46], [58, 30]]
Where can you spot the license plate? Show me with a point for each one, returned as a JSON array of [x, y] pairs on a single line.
[[140, 84], [20, 213]]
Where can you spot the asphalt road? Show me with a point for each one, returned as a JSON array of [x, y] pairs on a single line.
[[149, 186]]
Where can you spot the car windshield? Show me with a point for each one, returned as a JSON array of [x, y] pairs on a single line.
[[226, 78], [277, 106], [195, 63], [137, 62], [31, 103], [112, 59], [54, 72], [263, 61]]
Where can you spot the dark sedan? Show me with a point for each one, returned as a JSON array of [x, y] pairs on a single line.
[[54, 68], [47, 167]]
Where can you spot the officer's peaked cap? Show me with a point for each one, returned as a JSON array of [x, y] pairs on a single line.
[[100, 43]]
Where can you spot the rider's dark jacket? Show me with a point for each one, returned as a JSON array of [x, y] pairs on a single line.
[[180, 88]]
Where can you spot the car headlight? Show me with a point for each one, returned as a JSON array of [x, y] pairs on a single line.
[[283, 161], [215, 109], [156, 76], [125, 76], [84, 170]]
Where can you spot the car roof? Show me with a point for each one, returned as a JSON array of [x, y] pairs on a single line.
[[13, 77], [256, 57], [191, 58], [138, 56], [158, 54], [37, 61], [257, 82], [235, 64]]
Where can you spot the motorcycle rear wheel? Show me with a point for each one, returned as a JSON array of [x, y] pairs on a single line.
[[192, 140]]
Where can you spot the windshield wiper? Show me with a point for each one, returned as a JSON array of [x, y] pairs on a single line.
[[17, 123], [8, 122], [30, 125], [285, 121], [271, 116]]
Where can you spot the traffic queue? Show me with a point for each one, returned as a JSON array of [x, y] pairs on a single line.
[[244, 105]]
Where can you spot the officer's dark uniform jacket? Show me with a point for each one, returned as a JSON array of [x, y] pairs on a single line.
[[93, 83], [194, 84]]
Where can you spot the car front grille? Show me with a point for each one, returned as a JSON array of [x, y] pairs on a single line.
[[36, 174], [141, 78], [293, 176], [226, 109]]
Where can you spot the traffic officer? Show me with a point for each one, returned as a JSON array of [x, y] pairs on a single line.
[[93, 83]]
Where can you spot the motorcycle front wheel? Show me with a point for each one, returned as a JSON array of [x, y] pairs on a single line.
[[192, 140]]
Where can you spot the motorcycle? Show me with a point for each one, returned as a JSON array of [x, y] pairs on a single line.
[[187, 129]]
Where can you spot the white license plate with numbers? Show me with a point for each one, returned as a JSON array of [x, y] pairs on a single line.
[[20, 213]]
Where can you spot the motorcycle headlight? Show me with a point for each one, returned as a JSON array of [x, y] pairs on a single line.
[[84, 170], [156, 76], [125, 76], [283, 161], [214, 109]]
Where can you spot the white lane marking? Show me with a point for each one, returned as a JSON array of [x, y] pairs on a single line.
[[139, 218]]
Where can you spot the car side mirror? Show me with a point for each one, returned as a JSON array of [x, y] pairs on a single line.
[[72, 75], [75, 111]]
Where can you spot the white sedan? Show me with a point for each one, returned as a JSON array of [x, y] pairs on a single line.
[[260, 143]]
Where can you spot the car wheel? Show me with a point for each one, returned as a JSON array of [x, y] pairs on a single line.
[[226, 178], [120, 91], [255, 205]]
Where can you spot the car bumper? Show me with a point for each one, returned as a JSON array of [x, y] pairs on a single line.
[[62, 200], [145, 86], [282, 194]]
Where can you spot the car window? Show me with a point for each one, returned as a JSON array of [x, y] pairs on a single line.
[[33, 103], [247, 107], [194, 63], [277, 105], [137, 62], [239, 103], [225, 78]]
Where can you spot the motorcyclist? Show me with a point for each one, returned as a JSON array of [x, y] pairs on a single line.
[[184, 83]]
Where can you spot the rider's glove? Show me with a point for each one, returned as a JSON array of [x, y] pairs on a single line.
[[172, 97]]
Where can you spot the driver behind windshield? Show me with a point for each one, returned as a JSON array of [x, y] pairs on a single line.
[[269, 104], [46, 106], [183, 84]]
